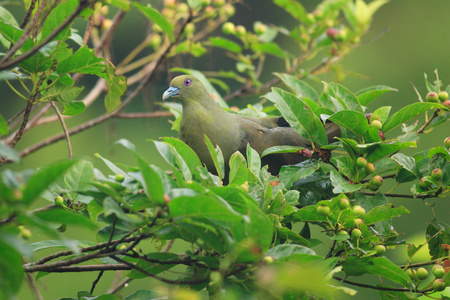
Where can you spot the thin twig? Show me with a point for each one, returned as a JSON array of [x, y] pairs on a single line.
[[115, 288], [5, 63], [66, 132], [380, 288], [33, 286], [30, 10], [424, 126], [86, 268], [153, 114]]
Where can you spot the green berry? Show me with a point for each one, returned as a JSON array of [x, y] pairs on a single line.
[[376, 180], [446, 103], [432, 97], [438, 271], [343, 203], [447, 143], [359, 211], [25, 233], [373, 187], [377, 124], [379, 249], [228, 28], [268, 259], [189, 29], [59, 201], [323, 210], [370, 168], [205, 2], [218, 3], [227, 11], [119, 177], [356, 233], [437, 174], [411, 273], [439, 285], [240, 31], [358, 222], [260, 28], [421, 273], [424, 182], [361, 162], [443, 95]]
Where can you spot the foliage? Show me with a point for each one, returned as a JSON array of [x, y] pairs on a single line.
[[251, 238]]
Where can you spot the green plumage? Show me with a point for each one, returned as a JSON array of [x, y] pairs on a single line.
[[231, 132]]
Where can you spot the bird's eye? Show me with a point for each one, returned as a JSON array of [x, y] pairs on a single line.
[[187, 82]]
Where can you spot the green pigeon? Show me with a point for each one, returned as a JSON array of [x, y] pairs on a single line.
[[232, 132]]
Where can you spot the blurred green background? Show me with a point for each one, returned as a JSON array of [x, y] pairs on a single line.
[[407, 39]]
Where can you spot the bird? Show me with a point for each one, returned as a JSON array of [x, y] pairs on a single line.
[[201, 115]]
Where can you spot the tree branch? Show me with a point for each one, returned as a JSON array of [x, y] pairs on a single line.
[[87, 268], [380, 288], [66, 132]]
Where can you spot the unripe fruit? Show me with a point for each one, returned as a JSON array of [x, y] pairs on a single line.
[[439, 285], [306, 153], [189, 29], [62, 228], [377, 124], [218, 3], [411, 273], [210, 12], [205, 2], [373, 187], [228, 11], [268, 260], [240, 31], [106, 24], [228, 28], [358, 222], [25, 233], [432, 97], [342, 232], [438, 271], [446, 103], [437, 174], [443, 95], [260, 29], [424, 183], [380, 249], [421, 273], [119, 177], [331, 33], [356, 233], [182, 8], [343, 203], [447, 143], [381, 134], [166, 198], [361, 162], [323, 210], [359, 211], [170, 3], [370, 168], [245, 187], [377, 180], [59, 201]]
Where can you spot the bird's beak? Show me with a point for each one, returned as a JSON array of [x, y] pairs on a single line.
[[171, 91]]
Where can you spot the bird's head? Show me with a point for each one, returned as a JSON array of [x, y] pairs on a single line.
[[185, 88]]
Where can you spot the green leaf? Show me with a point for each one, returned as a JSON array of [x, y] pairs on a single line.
[[367, 95], [46, 244], [143, 295], [56, 17], [298, 114], [286, 233], [36, 63], [11, 271], [154, 16], [225, 44], [407, 113], [345, 98], [382, 150], [42, 179], [437, 233], [383, 213], [407, 162], [281, 149], [294, 8], [341, 185], [352, 120], [9, 153], [154, 267], [381, 114], [11, 34], [117, 85], [238, 169], [74, 108], [3, 126], [75, 179], [382, 266], [62, 93], [122, 4], [82, 61], [60, 216], [9, 19], [269, 48], [289, 175], [217, 157], [188, 155], [291, 250], [299, 87], [203, 206]]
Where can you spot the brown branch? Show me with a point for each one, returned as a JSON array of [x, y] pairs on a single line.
[[13, 216], [5, 63], [106, 37], [153, 114], [422, 129], [66, 132], [154, 65], [88, 32], [402, 195], [380, 288], [30, 10], [115, 288], [86, 268], [33, 286]]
